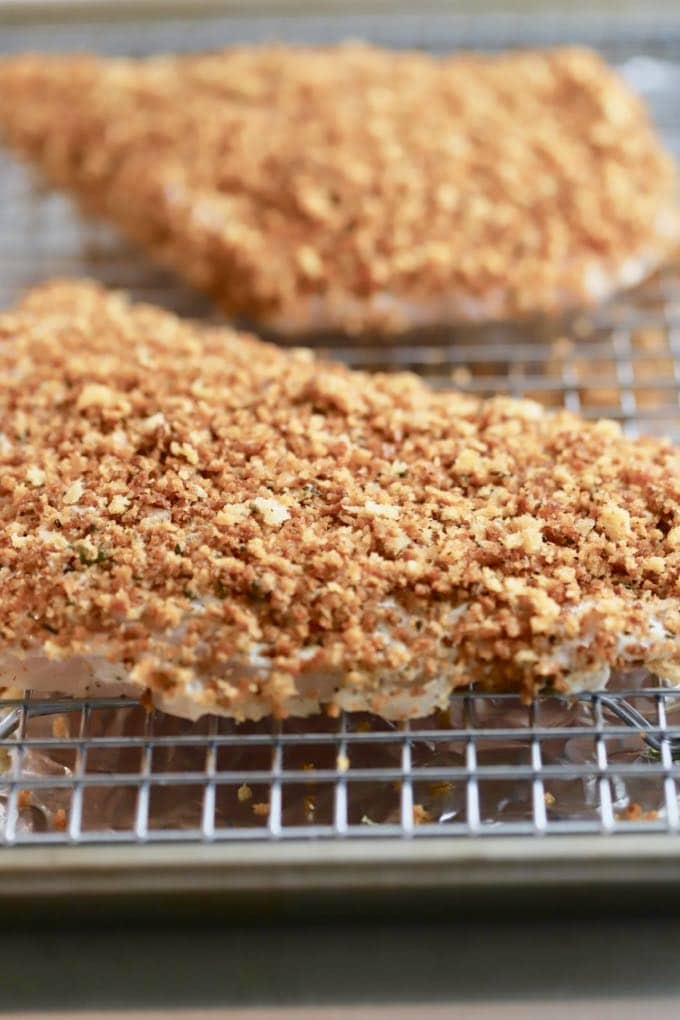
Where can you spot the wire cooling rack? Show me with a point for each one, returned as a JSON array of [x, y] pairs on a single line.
[[106, 770]]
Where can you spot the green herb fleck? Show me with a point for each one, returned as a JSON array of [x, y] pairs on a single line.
[[90, 561]]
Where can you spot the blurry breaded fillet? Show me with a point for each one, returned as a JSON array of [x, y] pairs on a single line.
[[243, 530], [357, 188]]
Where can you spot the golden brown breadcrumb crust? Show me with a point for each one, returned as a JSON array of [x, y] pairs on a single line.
[[304, 186], [181, 498]]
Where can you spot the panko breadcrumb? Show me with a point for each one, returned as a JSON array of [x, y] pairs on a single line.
[[223, 526], [357, 188]]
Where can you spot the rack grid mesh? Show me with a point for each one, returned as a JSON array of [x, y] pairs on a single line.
[[107, 770]]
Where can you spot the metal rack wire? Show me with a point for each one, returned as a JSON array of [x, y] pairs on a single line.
[[105, 770], [490, 766]]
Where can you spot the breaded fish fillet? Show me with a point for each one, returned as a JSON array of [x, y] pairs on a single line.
[[359, 188], [244, 530]]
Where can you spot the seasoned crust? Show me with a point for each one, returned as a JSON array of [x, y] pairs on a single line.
[[247, 530], [358, 188]]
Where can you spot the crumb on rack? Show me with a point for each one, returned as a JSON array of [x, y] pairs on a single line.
[[24, 799], [60, 727], [635, 813], [421, 815], [146, 701], [440, 788]]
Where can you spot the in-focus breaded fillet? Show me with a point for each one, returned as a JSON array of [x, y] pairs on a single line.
[[244, 530], [358, 188]]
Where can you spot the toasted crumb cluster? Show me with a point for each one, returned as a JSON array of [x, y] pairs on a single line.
[[359, 188], [246, 530]]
